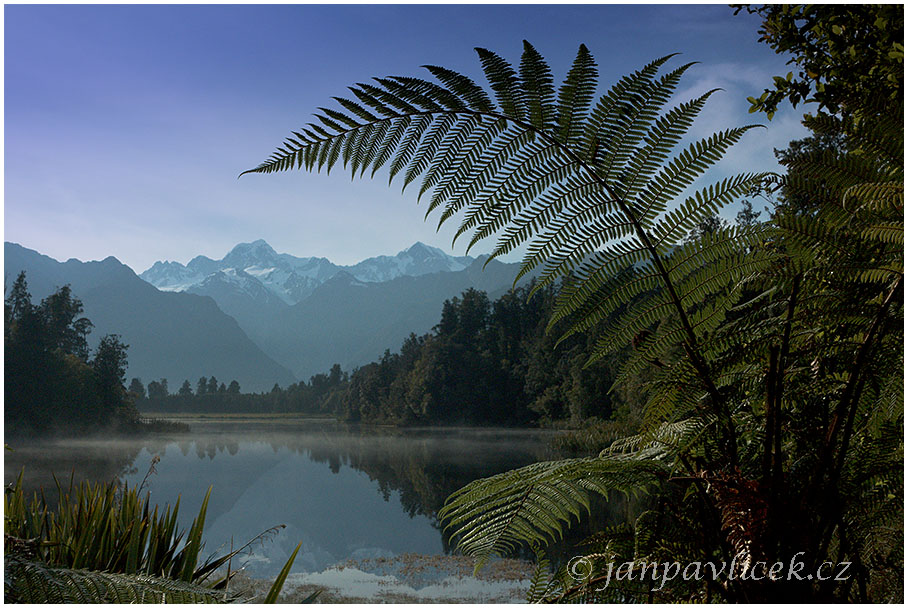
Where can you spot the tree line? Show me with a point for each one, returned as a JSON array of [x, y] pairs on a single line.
[[158, 389], [485, 362]]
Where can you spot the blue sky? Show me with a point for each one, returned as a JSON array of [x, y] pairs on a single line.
[[126, 126]]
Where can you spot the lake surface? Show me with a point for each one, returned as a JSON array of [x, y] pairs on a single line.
[[345, 493]]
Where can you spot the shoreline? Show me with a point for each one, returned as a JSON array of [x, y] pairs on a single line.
[[406, 578]]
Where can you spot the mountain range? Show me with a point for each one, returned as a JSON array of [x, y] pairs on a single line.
[[170, 335], [259, 316], [309, 313], [249, 267], [352, 322]]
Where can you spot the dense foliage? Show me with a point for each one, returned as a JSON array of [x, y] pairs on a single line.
[[51, 380], [484, 363], [768, 355], [849, 58]]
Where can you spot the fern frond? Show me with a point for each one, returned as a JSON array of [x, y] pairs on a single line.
[[542, 581], [575, 96], [626, 128], [683, 170], [537, 83], [607, 113], [37, 583], [665, 133], [585, 187], [533, 504], [462, 86], [664, 441], [504, 82]]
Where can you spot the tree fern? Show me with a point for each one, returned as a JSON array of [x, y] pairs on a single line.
[[815, 348], [803, 310]]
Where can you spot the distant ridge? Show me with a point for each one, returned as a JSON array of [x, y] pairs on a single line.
[[260, 316], [309, 313], [170, 335], [352, 322]]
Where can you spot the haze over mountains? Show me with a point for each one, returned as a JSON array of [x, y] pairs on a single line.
[[259, 316], [170, 335], [309, 313]]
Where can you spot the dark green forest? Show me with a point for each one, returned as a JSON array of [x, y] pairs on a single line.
[[53, 382]]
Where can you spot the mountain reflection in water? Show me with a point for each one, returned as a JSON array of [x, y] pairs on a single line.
[[346, 493]]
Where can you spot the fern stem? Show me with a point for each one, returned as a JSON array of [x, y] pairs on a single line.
[[848, 403], [780, 376], [847, 408], [770, 426], [691, 345], [859, 368]]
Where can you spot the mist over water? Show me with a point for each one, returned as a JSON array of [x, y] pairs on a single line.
[[345, 493]]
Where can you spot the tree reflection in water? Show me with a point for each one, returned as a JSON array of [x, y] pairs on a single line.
[[420, 466]]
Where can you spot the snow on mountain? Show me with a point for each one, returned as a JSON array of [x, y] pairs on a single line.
[[242, 296], [418, 260], [235, 281], [172, 276], [170, 335], [245, 255], [290, 278], [344, 279]]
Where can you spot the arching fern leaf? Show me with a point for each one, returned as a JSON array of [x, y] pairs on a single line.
[[533, 504], [590, 189]]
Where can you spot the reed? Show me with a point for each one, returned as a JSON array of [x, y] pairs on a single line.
[[112, 529]]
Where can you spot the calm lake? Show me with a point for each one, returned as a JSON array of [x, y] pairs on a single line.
[[345, 493]]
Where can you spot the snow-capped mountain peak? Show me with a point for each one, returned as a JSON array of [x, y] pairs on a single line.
[[290, 278], [257, 253], [416, 260], [171, 276]]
